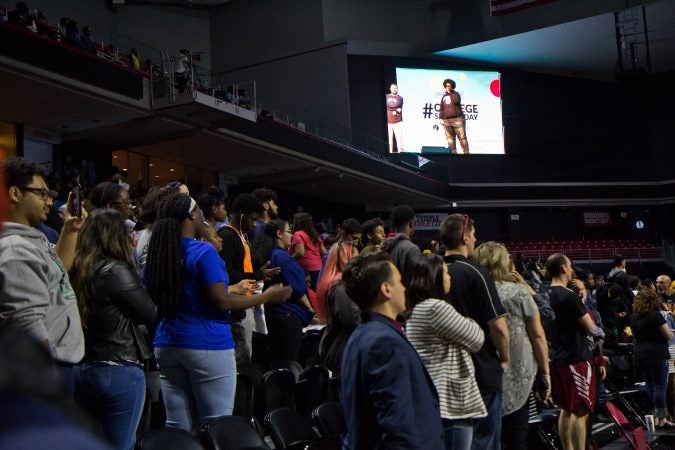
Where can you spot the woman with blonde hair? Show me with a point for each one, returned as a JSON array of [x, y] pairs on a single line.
[[529, 351]]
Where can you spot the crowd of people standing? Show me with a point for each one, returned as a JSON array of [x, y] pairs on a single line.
[[433, 349]]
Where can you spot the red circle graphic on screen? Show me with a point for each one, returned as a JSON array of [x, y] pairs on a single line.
[[494, 88]]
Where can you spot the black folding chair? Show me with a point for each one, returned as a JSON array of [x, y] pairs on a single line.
[[289, 364], [311, 390], [329, 418], [290, 431], [279, 388], [169, 439], [233, 433]]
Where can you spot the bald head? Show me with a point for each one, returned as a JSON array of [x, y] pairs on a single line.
[[663, 284]]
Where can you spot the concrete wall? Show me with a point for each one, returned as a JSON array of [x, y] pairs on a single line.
[[280, 44], [256, 32]]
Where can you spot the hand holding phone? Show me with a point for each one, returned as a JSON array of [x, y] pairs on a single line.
[[75, 202]]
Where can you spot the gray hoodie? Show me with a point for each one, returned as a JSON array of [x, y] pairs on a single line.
[[403, 252], [36, 295]]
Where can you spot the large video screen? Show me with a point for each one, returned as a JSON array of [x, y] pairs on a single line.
[[414, 114]]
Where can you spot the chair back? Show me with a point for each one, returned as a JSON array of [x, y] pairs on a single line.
[[329, 418], [289, 364], [169, 439], [279, 387], [289, 430], [233, 433], [311, 390]]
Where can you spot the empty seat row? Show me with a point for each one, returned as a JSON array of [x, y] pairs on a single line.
[[287, 429]]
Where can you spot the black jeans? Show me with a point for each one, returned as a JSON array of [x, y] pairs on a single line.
[[284, 334], [514, 428]]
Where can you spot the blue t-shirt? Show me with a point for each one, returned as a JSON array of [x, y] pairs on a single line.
[[291, 275], [197, 323]]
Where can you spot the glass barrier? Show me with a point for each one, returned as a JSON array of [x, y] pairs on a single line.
[[198, 79]]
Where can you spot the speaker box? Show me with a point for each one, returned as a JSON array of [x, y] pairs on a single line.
[[435, 151]]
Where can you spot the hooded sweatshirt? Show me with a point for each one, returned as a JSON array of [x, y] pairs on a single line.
[[36, 295], [403, 252]]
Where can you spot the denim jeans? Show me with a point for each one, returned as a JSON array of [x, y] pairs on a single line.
[[487, 431], [114, 395], [284, 335], [196, 382], [458, 434], [655, 372]]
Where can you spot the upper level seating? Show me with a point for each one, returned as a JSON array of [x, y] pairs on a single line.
[[41, 50], [587, 249]]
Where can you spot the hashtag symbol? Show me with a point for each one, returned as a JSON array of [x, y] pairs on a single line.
[[426, 110]]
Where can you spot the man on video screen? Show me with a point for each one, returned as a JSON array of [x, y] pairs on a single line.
[[452, 118], [395, 119]]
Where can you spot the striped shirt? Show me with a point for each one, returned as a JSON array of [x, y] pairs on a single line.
[[444, 338]]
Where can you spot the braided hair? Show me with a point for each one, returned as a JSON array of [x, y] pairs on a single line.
[[164, 266]]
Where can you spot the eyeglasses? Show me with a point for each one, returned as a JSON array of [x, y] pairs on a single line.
[[288, 231], [43, 193], [466, 222], [125, 203]]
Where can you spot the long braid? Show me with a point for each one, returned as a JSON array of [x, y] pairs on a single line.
[[164, 267]]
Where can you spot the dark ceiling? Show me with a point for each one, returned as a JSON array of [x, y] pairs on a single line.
[[585, 48]]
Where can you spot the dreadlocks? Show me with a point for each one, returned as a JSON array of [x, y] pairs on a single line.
[[164, 267]]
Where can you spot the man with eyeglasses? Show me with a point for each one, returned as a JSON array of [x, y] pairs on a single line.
[[452, 118], [36, 296], [663, 289], [474, 295]]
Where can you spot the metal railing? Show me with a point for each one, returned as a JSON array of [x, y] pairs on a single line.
[[166, 82], [147, 55], [308, 122], [638, 254]]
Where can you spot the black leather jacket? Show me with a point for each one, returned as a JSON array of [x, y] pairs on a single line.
[[118, 305]]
